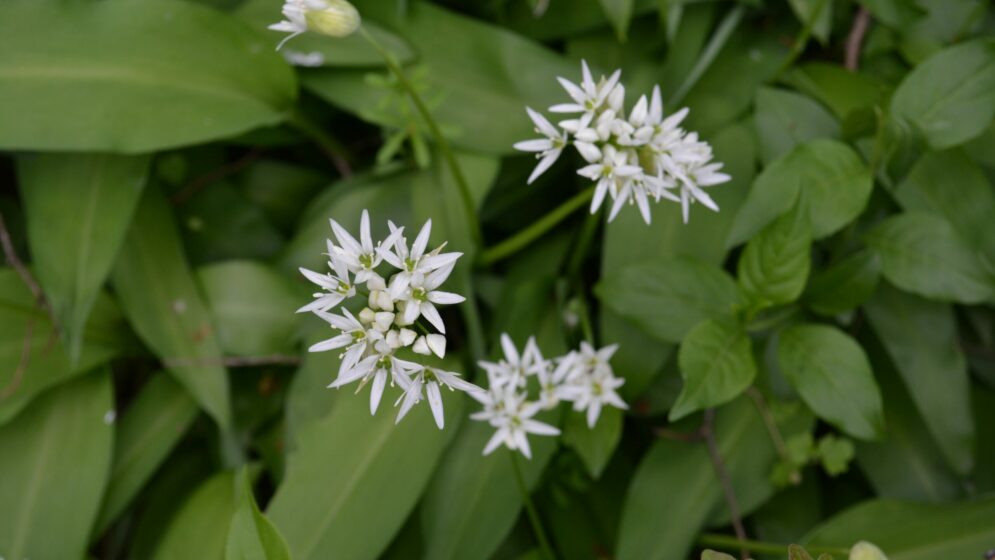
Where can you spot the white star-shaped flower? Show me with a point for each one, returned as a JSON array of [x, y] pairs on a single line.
[[588, 96], [548, 148], [432, 380], [337, 287]]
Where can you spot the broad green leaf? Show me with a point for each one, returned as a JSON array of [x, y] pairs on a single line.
[[251, 536], [836, 183], [909, 531], [774, 265], [472, 70], [353, 50], [170, 73], [951, 186], [922, 254], [619, 13], [78, 209], [473, 501], [831, 373], [835, 86], [56, 457], [668, 296], [253, 307], [680, 475], [594, 445], [907, 463], [921, 338], [24, 325], [950, 97], [355, 477], [149, 430], [309, 398], [844, 285], [160, 298], [199, 528], [783, 119], [716, 361], [807, 15]]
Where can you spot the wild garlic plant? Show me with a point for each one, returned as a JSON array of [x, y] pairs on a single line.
[[634, 156], [523, 383], [401, 293]]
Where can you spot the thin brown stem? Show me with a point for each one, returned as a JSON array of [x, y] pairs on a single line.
[[775, 433], [708, 432], [235, 361], [200, 182], [855, 39], [22, 363], [11, 255]]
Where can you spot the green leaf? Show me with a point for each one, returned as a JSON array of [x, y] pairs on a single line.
[[619, 13], [355, 478], [353, 50], [839, 89], [713, 555], [668, 296], [473, 501], [716, 361], [844, 285], [199, 529], [949, 185], [146, 64], [151, 427], [594, 445], [252, 306], [774, 265], [910, 531], [836, 183], [835, 454], [796, 552], [472, 72], [219, 223], [783, 119], [56, 456], [78, 208], [160, 298], [252, 536], [922, 254], [907, 464], [950, 97], [831, 373], [23, 325], [921, 338], [805, 11], [680, 475]]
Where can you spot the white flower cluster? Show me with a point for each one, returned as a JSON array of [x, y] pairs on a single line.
[[634, 157], [395, 307], [583, 377]]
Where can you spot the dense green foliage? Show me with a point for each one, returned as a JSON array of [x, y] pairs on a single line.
[[815, 362]]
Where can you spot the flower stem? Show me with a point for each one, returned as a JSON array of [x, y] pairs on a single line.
[[540, 534], [468, 207], [523, 238], [728, 542]]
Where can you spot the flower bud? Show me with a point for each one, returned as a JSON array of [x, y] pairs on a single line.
[[864, 550], [337, 18]]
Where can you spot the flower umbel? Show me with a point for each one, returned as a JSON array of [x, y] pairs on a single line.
[[636, 158], [372, 339], [583, 377]]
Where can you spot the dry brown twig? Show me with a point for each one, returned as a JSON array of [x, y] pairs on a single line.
[[855, 39]]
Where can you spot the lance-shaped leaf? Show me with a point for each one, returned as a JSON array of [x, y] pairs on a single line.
[[78, 208], [716, 361], [252, 536]]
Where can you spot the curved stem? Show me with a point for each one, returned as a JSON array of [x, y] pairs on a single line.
[[540, 534], [471, 213], [518, 241], [728, 542]]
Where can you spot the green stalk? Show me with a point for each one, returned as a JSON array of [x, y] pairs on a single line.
[[712, 49], [802, 41], [729, 542], [540, 534], [518, 241], [468, 207]]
